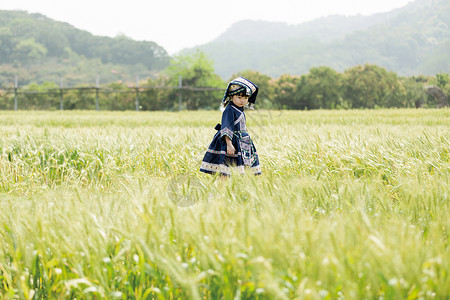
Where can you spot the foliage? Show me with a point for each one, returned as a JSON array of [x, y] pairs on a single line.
[[415, 94], [320, 88], [351, 204], [443, 79], [285, 91], [35, 42], [28, 51], [363, 86], [195, 71], [367, 86], [370, 86]]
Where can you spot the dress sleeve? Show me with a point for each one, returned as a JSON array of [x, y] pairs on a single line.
[[227, 126]]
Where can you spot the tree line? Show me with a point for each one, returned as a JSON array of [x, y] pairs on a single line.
[[362, 86]]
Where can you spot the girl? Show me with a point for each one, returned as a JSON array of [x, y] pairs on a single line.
[[232, 147]]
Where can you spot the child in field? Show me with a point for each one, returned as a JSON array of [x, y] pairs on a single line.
[[232, 147]]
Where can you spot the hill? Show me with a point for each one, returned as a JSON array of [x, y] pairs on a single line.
[[411, 40], [35, 47]]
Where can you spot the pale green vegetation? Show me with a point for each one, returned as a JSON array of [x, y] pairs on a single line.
[[351, 205]]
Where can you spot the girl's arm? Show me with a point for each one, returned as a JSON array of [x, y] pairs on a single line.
[[230, 148]]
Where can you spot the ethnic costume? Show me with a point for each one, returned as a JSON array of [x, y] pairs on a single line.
[[234, 126]]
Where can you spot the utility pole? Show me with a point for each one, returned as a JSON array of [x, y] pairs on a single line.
[[61, 93], [137, 92], [97, 83]]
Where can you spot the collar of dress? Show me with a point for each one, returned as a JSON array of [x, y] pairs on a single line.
[[241, 109]]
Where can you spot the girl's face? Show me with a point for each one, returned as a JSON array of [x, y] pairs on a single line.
[[239, 101]]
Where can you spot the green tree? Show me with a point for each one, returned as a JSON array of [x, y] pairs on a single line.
[[45, 97], [53, 39], [415, 95], [371, 86], [157, 97], [443, 79], [124, 50], [285, 91], [321, 88], [123, 99], [28, 51], [196, 72], [22, 27]]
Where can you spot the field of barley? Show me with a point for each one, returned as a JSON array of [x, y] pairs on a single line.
[[111, 205]]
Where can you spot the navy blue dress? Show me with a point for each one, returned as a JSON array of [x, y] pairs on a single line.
[[216, 158]]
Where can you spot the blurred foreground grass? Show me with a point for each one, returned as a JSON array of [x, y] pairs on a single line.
[[351, 205]]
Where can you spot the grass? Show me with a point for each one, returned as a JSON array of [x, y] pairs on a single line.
[[351, 205]]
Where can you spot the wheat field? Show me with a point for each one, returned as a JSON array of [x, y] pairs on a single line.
[[111, 205]]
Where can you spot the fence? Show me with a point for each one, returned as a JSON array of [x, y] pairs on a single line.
[[118, 97]]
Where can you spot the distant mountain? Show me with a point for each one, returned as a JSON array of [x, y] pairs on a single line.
[[38, 48], [414, 39], [325, 29]]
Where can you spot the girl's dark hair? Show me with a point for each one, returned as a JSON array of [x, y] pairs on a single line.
[[241, 94]]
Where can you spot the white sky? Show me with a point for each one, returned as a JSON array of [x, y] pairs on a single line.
[[177, 24]]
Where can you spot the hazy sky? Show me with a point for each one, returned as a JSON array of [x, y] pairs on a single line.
[[177, 24]]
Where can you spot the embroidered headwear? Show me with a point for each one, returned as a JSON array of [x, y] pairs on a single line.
[[239, 85]]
